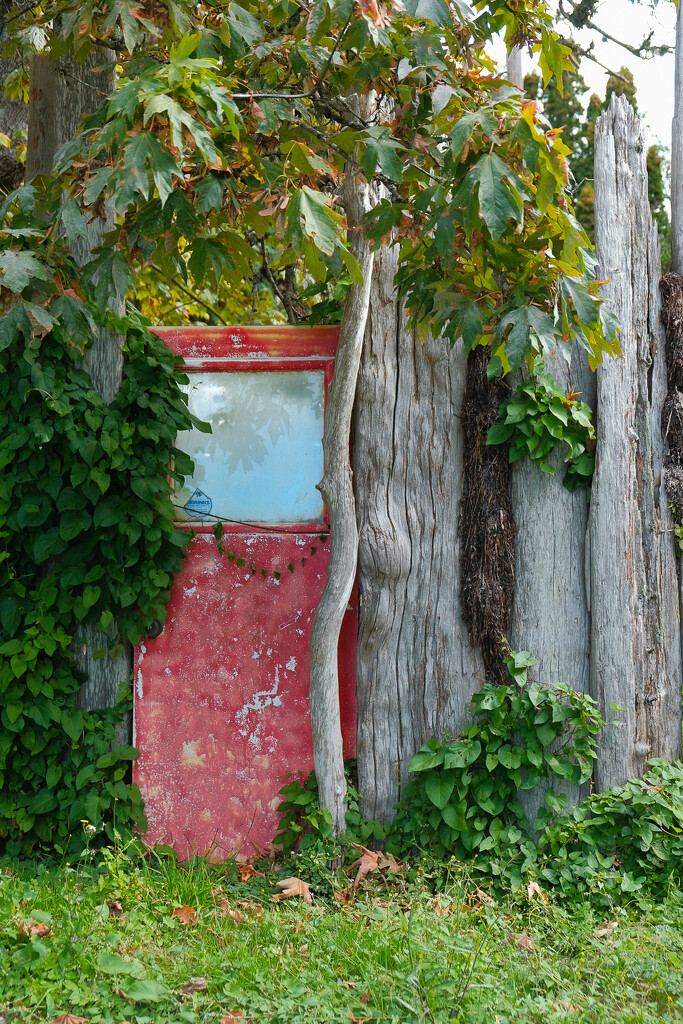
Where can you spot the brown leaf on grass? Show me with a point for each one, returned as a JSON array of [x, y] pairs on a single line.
[[185, 914], [438, 908], [344, 896], [522, 940], [534, 889], [41, 931], [248, 871], [606, 929], [69, 1018], [298, 927], [194, 985], [569, 1007], [478, 898], [348, 984], [294, 887], [227, 911], [366, 997], [234, 1017], [357, 1020], [251, 908], [115, 908], [369, 861]]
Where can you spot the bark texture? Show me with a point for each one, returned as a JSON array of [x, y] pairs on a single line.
[[416, 670], [550, 616], [337, 490], [62, 92], [677, 154], [635, 641], [13, 117]]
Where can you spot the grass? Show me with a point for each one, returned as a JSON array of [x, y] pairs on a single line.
[[99, 940]]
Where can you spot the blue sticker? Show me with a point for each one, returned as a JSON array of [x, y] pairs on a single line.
[[199, 503]]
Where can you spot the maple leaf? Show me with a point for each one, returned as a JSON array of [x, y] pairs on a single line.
[[367, 862], [478, 898], [115, 908], [522, 940], [370, 9], [69, 1018], [227, 911], [248, 871], [294, 887], [185, 914], [534, 889]]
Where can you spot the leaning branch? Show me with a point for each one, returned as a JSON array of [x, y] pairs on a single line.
[[337, 491]]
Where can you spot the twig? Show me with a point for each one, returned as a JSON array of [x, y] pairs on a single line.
[[195, 298]]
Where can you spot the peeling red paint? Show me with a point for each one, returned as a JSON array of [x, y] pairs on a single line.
[[221, 708]]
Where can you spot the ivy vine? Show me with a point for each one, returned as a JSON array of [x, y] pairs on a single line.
[[86, 536], [537, 417]]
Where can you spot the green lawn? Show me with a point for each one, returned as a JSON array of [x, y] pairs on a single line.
[[99, 941]]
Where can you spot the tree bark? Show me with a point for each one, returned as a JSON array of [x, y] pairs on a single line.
[[415, 671], [635, 639], [13, 120], [61, 93], [337, 490], [677, 154], [550, 615]]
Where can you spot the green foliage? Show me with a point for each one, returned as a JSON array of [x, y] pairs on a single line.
[[539, 416], [462, 797], [110, 950], [87, 533], [622, 841], [221, 149], [305, 829]]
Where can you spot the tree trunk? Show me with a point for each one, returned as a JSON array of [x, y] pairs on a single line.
[[337, 490], [550, 616], [13, 120], [416, 671], [635, 640], [61, 93], [677, 154]]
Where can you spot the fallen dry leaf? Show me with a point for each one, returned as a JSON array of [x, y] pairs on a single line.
[[303, 948], [194, 985], [251, 908], [298, 927], [357, 1020], [234, 1017], [115, 908], [478, 898], [534, 889], [522, 940], [41, 931], [606, 929], [185, 914], [567, 1006], [349, 984], [294, 887], [69, 1018], [248, 871], [343, 896], [369, 861], [438, 908], [227, 911], [366, 997]]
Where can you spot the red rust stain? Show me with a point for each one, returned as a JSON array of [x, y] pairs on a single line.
[[221, 697]]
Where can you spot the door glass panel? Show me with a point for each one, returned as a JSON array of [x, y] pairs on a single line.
[[264, 456]]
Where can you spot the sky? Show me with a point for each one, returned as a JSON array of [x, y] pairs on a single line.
[[654, 78]]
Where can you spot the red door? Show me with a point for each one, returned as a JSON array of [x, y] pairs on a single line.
[[221, 709]]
